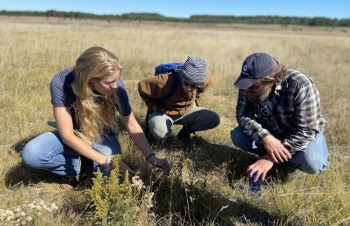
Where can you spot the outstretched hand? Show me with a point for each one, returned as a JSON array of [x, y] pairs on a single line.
[[261, 167], [123, 167], [160, 163]]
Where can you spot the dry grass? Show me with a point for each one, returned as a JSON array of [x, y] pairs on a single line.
[[32, 50]]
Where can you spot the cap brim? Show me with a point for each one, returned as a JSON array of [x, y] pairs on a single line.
[[244, 83]]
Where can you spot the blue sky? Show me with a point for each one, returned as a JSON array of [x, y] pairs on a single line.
[[185, 8]]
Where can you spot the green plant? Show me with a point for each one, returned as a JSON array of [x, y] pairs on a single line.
[[119, 202]]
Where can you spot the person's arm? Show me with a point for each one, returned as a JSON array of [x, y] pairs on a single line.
[[140, 140], [153, 89], [65, 127], [246, 119], [277, 151], [307, 117], [254, 130]]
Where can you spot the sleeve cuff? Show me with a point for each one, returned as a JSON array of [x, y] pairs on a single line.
[[260, 135]]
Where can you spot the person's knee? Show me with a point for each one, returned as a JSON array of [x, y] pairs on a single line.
[[214, 120], [109, 146], [208, 119], [235, 134], [311, 165], [313, 159], [105, 150], [29, 156], [158, 133], [314, 167], [159, 129]]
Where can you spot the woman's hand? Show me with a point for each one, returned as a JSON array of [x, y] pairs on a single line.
[[160, 163], [124, 167], [140, 140], [109, 165]]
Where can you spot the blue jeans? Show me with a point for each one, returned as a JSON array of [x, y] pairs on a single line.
[[47, 151], [312, 159], [197, 119]]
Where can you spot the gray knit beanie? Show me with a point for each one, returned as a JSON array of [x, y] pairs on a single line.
[[194, 70]]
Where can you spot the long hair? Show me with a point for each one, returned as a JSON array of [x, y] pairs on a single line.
[[95, 114], [278, 76]]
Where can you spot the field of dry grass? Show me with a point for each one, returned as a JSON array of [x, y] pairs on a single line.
[[208, 176]]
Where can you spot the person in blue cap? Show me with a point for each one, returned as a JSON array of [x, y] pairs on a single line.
[[279, 117]]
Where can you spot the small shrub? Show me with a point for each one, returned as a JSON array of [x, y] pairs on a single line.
[[120, 202], [27, 214]]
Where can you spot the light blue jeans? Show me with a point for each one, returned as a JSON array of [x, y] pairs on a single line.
[[197, 119], [313, 159], [47, 151]]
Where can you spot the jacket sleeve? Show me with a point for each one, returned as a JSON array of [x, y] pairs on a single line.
[[153, 89], [247, 120], [206, 85], [307, 115]]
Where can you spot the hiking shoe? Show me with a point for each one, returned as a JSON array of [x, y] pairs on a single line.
[[290, 172], [184, 135], [294, 174], [69, 183]]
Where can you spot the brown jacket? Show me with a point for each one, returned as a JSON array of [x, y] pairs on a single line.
[[153, 90]]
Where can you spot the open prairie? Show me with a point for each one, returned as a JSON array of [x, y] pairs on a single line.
[[207, 183]]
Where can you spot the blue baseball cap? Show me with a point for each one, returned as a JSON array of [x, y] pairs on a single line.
[[255, 66]]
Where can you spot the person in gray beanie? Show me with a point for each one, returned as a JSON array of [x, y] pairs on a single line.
[[171, 98], [194, 70]]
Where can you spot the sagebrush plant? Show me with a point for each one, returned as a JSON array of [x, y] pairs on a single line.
[[27, 214], [118, 201]]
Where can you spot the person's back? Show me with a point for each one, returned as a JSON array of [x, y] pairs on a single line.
[[155, 93]]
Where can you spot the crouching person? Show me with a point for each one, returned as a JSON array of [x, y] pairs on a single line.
[[171, 99], [85, 99], [279, 117]]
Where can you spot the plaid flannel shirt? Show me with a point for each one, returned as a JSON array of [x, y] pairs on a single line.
[[291, 114]]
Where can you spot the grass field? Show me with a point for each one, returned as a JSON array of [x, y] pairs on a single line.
[[207, 183]]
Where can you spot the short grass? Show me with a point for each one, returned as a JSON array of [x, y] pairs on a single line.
[[207, 182]]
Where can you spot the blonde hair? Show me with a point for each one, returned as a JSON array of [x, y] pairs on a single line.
[[95, 114], [278, 76]]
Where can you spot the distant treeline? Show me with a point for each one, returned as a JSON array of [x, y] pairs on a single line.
[[315, 21]]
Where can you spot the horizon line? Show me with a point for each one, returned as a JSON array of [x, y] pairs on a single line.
[[214, 15]]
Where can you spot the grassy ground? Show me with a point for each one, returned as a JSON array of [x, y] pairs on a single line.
[[207, 183]]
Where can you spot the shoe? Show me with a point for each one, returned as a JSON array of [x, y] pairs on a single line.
[[69, 183], [184, 135], [291, 172], [295, 174]]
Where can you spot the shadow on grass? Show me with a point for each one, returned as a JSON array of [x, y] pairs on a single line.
[[208, 156], [193, 204], [23, 175]]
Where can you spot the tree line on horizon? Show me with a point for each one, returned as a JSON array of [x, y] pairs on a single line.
[[307, 21]]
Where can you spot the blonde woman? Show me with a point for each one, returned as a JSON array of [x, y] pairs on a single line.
[[84, 100]]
